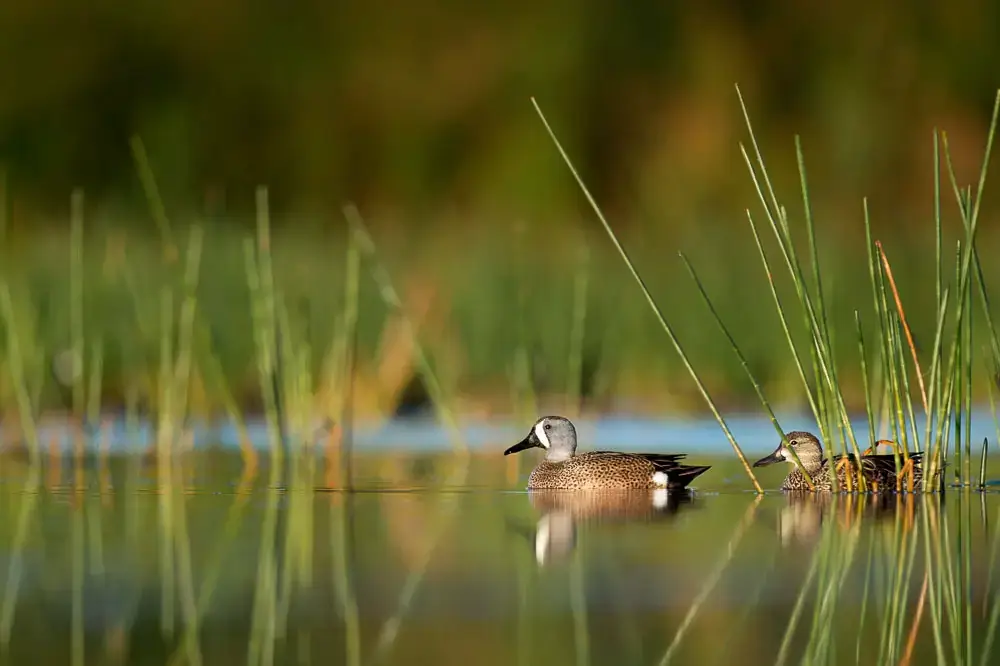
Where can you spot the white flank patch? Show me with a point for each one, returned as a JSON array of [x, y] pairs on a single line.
[[540, 434], [660, 497], [660, 479]]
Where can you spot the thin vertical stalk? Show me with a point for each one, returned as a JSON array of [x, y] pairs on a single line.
[[16, 367], [76, 282], [263, 322], [575, 364], [815, 321], [77, 566], [164, 446], [649, 299], [153, 198], [746, 367], [341, 542], [351, 289]]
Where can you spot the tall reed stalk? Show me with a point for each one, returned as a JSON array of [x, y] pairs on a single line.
[[649, 299]]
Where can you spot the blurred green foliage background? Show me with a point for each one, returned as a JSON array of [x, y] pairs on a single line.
[[420, 114]]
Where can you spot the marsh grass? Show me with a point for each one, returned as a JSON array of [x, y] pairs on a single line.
[[891, 371]]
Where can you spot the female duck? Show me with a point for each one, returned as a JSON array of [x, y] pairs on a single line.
[[879, 470]]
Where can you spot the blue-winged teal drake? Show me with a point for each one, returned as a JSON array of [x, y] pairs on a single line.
[[563, 469], [879, 470]]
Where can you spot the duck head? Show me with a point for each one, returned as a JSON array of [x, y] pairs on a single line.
[[555, 434], [806, 447]]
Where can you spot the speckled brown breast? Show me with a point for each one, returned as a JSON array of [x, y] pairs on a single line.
[[594, 470]]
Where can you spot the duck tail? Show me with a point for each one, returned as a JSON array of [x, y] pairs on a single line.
[[682, 475]]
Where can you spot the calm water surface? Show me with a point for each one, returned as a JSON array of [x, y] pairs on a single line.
[[435, 559]]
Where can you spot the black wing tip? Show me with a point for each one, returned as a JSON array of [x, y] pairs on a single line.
[[682, 475]]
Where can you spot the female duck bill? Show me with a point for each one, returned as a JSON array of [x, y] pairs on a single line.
[[771, 458]]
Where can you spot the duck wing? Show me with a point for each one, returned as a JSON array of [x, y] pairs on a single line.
[[882, 466], [678, 474]]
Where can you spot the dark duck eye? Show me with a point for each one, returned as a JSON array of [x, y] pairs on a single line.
[[548, 426]]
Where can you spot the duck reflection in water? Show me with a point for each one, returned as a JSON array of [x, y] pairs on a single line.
[[801, 519], [564, 512]]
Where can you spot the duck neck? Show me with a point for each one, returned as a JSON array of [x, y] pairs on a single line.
[[812, 465], [558, 455]]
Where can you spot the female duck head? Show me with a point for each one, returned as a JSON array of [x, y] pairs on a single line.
[[806, 446], [555, 434]]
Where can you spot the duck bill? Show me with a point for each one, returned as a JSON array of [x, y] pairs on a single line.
[[525, 443], [770, 459]]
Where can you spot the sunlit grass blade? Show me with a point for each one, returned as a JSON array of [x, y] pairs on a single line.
[[153, 198], [824, 366], [746, 367], [577, 327], [649, 299]]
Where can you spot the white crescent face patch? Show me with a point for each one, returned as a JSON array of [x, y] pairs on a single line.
[[540, 434]]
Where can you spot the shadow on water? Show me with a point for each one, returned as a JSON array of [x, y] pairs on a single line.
[[462, 566]]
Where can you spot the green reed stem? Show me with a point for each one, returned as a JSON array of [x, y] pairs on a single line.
[[16, 367], [271, 354], [649, 299], [815, 321], [165, 477], [185, 580], [263, 322], [76, 282], [865, 601], [212, 373], [934, 397], [209, 572], [746, 367], [392, 301], [813, 405], [341, 546], [263, 630], [575, 363], [152, 192], [935, 596], [186, 325], [798, 609], [25, 519], [77, 556], [863, 355], [352, 285]]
